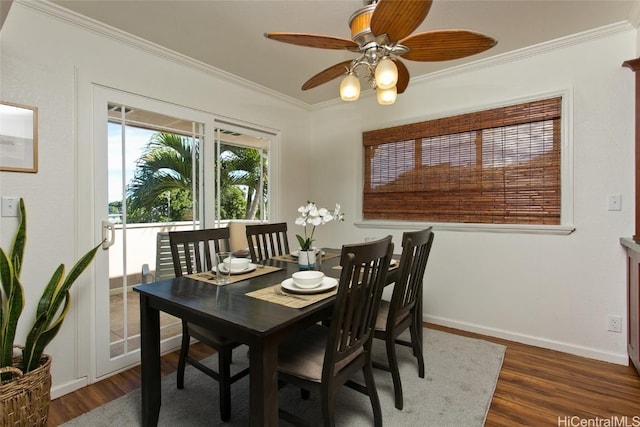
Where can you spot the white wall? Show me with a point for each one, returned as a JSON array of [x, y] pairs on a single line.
[[50, 64], [554, 291]]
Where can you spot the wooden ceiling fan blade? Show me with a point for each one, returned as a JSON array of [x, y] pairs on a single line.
[[403, 76], [327, 75], [445, 45], [313, 40], [398, 18]]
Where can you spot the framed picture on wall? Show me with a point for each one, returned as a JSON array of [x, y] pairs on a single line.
[[18, 138]]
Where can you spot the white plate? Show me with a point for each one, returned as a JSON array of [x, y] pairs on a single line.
[[249, 269], [328, 283], [295, 253]]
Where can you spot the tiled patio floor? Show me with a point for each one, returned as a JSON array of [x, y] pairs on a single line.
[[169, 325]]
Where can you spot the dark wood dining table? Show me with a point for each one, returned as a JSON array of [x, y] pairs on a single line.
[[260, 324]]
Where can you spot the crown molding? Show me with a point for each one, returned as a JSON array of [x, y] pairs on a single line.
[[534, 50], [88, 24]]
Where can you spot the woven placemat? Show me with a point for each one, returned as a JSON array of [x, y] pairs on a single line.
[[278, 295], [211, 277], [291, 258]]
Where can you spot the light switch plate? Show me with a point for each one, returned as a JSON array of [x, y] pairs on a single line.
[[10, 206], [615, 202]]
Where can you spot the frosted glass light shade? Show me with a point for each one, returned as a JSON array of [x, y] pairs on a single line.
[[387, 96], [386, 74], [350, 88]]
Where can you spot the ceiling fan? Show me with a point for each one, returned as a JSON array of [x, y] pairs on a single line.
[[381, 35]]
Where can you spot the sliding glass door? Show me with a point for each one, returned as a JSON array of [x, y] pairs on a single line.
[[148, 182], [160, 167]]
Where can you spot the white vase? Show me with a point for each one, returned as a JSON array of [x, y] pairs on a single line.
[[307, 260]]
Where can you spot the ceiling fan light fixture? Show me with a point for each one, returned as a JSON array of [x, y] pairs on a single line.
[[383, 35], [350, 87], [386, 73], [387, 96]]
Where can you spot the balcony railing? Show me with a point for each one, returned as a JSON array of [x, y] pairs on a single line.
[[141, 248]]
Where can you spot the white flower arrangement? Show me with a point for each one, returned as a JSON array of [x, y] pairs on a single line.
[[311, 215]]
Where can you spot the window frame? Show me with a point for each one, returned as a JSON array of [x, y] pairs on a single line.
[[211, 178], [566, 225]]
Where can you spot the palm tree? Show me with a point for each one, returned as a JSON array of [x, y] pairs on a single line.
[[247, 167], [162, 183], [161, 187]]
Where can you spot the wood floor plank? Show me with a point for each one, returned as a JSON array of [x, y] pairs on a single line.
[[536, 387]]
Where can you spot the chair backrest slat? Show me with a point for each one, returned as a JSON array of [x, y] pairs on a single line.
[[191, 250]]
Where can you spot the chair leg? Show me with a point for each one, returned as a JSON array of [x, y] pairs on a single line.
[[326, 404], [413, 339], [224, 370], [182, 360], [417, 322], [395, 373], [416, 341], [373, 394]]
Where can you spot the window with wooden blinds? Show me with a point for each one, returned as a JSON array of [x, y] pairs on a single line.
[[499, 166]]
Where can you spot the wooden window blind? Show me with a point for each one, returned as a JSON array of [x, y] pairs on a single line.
[[499, 166]]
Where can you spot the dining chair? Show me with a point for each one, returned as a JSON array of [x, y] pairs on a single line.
[[404, 310], [267, 240], [192, 253], [323, 358]]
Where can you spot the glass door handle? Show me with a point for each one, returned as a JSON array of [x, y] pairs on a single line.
[[108, 234]]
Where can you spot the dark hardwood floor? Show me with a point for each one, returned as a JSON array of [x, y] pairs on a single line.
[[540, 387], [536, 387]]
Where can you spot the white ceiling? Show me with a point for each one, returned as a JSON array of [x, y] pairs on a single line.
[[228, 35]]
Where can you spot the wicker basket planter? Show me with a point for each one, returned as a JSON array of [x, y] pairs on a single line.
[[24, 399]]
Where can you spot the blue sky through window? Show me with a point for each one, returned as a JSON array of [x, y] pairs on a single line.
[[136, 139]]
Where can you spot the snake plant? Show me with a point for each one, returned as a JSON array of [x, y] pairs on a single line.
[[49, 314]]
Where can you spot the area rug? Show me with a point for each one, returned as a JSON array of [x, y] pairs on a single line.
[[461, 375]]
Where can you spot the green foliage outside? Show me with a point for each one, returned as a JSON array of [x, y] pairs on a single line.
[[161, 188], [242, 167], [233, 203], [115, 207]]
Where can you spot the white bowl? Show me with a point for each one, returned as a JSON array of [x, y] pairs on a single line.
[[237, 264], [308, 279]]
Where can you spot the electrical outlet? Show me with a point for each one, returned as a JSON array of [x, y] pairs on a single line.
[[614, 323]]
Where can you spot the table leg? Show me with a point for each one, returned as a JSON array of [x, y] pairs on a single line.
[[150, 362], [263, 394]]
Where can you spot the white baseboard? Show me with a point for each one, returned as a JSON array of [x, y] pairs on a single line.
[[591, 353], [69, 387]]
